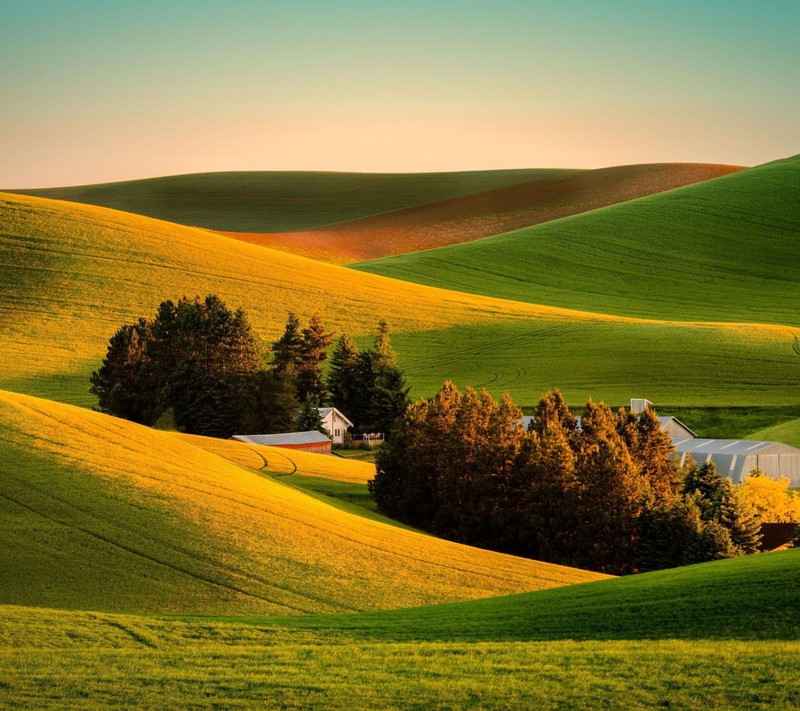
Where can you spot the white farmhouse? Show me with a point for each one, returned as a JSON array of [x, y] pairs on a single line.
[[335, 422]]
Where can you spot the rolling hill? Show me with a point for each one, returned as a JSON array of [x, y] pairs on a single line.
[[98, 513], [470, 217], [279, 201], [721, 250], [722, 634], [71, 274], [739, 598]]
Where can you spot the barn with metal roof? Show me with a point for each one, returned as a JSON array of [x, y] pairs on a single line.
[[312, 441], [737, 458]]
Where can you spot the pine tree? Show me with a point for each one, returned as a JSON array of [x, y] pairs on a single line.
[[705, 481], [313, 352], [652, 451], [309, 417], [389, 399], [342, 378], [740, 518], [287, 350], [553, 408], [118, 384], [613, 494]]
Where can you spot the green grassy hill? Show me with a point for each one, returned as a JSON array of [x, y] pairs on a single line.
[[491, 212], [721, 250], [721, 634], [740, 598], [280, 201], [787, 432], [71, 274]]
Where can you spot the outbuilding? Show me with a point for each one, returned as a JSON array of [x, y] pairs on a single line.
[[335, 422], [312, 441], [737, 458]]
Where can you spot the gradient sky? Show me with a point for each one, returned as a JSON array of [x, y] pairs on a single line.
[[99, 90]]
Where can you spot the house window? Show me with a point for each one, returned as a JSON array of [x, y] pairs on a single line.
[[338, 433]]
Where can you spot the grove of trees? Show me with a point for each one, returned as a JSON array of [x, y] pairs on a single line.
[[367, 385], [201, 362], [605, 495]]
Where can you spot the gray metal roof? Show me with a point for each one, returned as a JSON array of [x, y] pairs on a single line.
[[732, 446], [325, 411], [275, 440]]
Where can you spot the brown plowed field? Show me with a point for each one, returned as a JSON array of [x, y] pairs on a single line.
[[483, 214]]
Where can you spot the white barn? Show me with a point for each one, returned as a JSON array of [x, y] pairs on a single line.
[[335, 422]]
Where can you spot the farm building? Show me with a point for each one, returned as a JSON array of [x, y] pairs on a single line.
[[671, 425], [306, 441], [335, 422], [676, 429], [737, 458]]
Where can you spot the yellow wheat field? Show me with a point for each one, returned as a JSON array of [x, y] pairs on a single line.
[[72, 274], [285, 461], [268, 548]]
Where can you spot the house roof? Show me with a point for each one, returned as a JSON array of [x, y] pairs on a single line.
[[666, 420], [276, 440], [325, 411]]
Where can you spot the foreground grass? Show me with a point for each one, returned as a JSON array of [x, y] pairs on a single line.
[[277, 201], [286, 670], [714, 635], [72, 274], [721, 250]]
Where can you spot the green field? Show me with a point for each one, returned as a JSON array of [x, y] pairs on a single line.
[[71, 274], [721, 634], [692, 602], [788, 432], [721, 250], [490, 212], [281, 201]]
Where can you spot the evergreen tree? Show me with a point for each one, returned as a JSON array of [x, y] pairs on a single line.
[[720, 501], [674, 533], [309, 417], [366, 375], [343, 378], [314, 345], [410, 466], [549, 494], [118, 383], [197, 358], [552, 408], [269, 404], [652, 450], [613, 495], [287, 350], [740, 519], [389, 399], [705, 481]]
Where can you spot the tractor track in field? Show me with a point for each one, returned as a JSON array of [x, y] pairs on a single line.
[[153, 559]]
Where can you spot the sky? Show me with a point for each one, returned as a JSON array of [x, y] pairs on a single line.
[[101, 90]]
